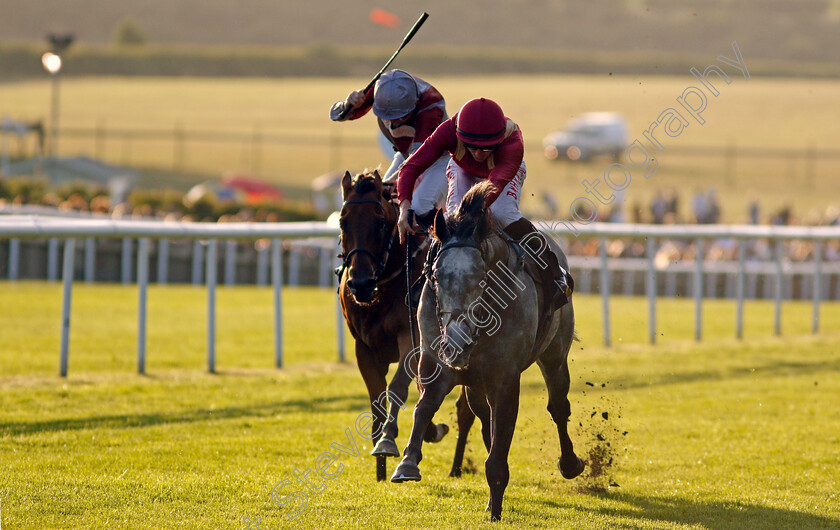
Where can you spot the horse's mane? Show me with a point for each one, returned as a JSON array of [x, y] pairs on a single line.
[[471, 217]]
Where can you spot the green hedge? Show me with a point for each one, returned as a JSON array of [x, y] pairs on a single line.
[[20, 61]]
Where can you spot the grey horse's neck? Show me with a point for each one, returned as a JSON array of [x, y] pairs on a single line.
[[494, 249]]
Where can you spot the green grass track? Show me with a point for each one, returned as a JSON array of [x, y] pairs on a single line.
[[717, 434]]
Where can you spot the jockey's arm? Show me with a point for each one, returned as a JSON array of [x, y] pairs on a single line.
[[356, 105], [393, 170], [403, 224]]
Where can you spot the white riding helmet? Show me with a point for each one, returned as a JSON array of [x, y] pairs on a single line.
[[395, 95]]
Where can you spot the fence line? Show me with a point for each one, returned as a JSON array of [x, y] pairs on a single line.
[[179, 135], [38, 227], [257, 138]]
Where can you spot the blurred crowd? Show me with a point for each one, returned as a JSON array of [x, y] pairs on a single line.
[[705, 209], [664, 208], [722, 249]]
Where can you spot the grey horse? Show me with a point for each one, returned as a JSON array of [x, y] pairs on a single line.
[[479, 322]]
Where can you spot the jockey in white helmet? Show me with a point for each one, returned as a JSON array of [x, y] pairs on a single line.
[[408, 110]]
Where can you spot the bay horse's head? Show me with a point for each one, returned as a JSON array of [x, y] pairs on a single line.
[[368, 221], [460, 276]]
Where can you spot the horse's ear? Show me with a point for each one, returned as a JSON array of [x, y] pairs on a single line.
[[346, 184], [377, 180], [441, 231]]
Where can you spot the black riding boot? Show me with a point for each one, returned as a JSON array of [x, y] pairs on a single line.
[[555, 285], [425, 221]]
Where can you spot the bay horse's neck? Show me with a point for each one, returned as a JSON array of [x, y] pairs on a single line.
[[395, 263]]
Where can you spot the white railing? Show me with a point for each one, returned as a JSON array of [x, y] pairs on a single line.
[[698, 233], [15, 227]]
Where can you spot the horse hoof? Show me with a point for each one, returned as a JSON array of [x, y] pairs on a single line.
[[494, 518], [406, 472], [570, 472], [385, 447], [441, 429], [455, 472]]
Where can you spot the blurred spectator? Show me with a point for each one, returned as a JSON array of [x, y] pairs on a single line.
[[754, 212], [100, 204], [706, 207], [782, 217], [699, 206], [616, 212], [550, 204], [658, 208], [672, 202], [713, 207], [832, 216], [636, 215]]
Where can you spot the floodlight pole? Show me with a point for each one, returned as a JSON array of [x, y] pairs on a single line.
[[54, 114], [52, 63]]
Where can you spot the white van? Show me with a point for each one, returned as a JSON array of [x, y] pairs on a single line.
[[588, 135]]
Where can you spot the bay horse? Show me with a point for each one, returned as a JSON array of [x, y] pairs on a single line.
[[479, 327], [372, 291]]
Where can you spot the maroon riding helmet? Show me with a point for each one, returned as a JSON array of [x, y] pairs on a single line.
[[481, 122]]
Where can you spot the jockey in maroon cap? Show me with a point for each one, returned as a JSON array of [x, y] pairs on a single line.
[[484, 144]]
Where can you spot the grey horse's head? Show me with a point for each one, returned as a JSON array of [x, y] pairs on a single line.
[[459, 277]]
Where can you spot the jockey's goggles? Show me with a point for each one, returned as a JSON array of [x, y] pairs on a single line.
[[482, 148]]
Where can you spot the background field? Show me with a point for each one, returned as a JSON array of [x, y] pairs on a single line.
[[720, 434], [299, 142], [773, 29]]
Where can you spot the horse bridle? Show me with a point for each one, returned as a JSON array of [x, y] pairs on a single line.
[[380, 263], [447, 246], [471, 244]]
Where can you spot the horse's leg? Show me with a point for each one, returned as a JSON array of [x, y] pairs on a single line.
[[431, 397], [479, 407], [555, 371], [373, 373], [434, 432], [466, 418], [504, 409], [395, 401]]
